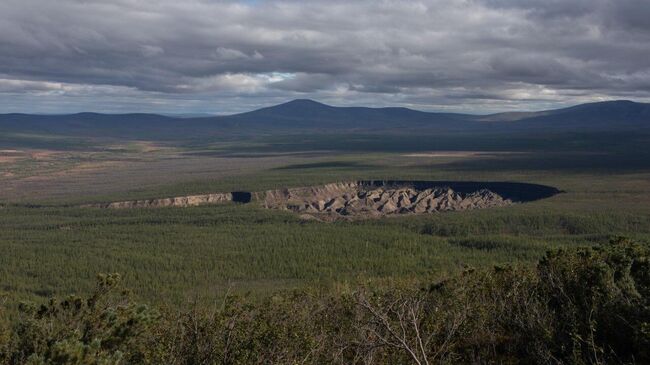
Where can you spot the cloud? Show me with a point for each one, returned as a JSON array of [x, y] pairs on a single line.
[[152, 51], [218, 56], [229, 54]]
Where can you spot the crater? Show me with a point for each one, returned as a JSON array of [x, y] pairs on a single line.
[[367, 198], [390, 197], [241, 197]]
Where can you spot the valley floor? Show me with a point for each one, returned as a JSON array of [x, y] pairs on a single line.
[[181, 255]]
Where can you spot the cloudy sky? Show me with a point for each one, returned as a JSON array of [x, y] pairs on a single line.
[[209, 56]]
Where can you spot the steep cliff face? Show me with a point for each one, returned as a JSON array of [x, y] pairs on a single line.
[[363, 199], [280, 197], [181, 201], [344, 199]]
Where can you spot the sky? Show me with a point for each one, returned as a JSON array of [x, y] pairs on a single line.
[[222, 57]]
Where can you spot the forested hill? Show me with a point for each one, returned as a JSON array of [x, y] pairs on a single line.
[[311, 116]]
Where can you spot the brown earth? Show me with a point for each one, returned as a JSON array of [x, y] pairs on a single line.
[[341, 200], [359, 199], [181, 201], [8, 156]]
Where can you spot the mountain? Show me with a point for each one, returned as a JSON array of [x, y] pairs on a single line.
[[607, 114], [86, 124], [304, 113], [602, 115], [310, 116]]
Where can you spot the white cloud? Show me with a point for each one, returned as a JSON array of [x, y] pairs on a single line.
[[428, 53], [230, 54]]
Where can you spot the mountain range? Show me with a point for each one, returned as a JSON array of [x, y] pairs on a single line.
[[304, 115]]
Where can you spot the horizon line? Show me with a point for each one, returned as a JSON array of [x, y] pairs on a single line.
[[199, 115]]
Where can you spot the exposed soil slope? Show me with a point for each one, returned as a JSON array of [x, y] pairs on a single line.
[[181, 201], [364, 199]]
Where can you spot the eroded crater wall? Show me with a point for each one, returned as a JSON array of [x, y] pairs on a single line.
[[367, 198]]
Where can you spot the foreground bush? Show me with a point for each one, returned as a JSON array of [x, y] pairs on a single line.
[[600, 299], [581, 306], [105, 328]]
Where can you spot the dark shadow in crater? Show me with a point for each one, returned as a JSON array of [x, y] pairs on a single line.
[[516, 192], [241, 197]]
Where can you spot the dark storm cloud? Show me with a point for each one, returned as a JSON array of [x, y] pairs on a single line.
[[226, 56]]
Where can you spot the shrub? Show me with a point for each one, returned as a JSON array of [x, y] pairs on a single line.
[[105, 328], [578, 306], [601, 301]]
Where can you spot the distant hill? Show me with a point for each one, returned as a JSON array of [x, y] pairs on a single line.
[[304, 113], [310, 116], [88, 124], [590, 115]]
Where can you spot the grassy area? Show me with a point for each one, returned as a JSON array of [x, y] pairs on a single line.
[[177, 255]]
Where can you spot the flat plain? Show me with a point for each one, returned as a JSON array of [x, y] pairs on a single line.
[[176, 256]]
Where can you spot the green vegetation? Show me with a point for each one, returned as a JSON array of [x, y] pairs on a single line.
[[287, 285], [178, 255], [578, 306], [181, 254]]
